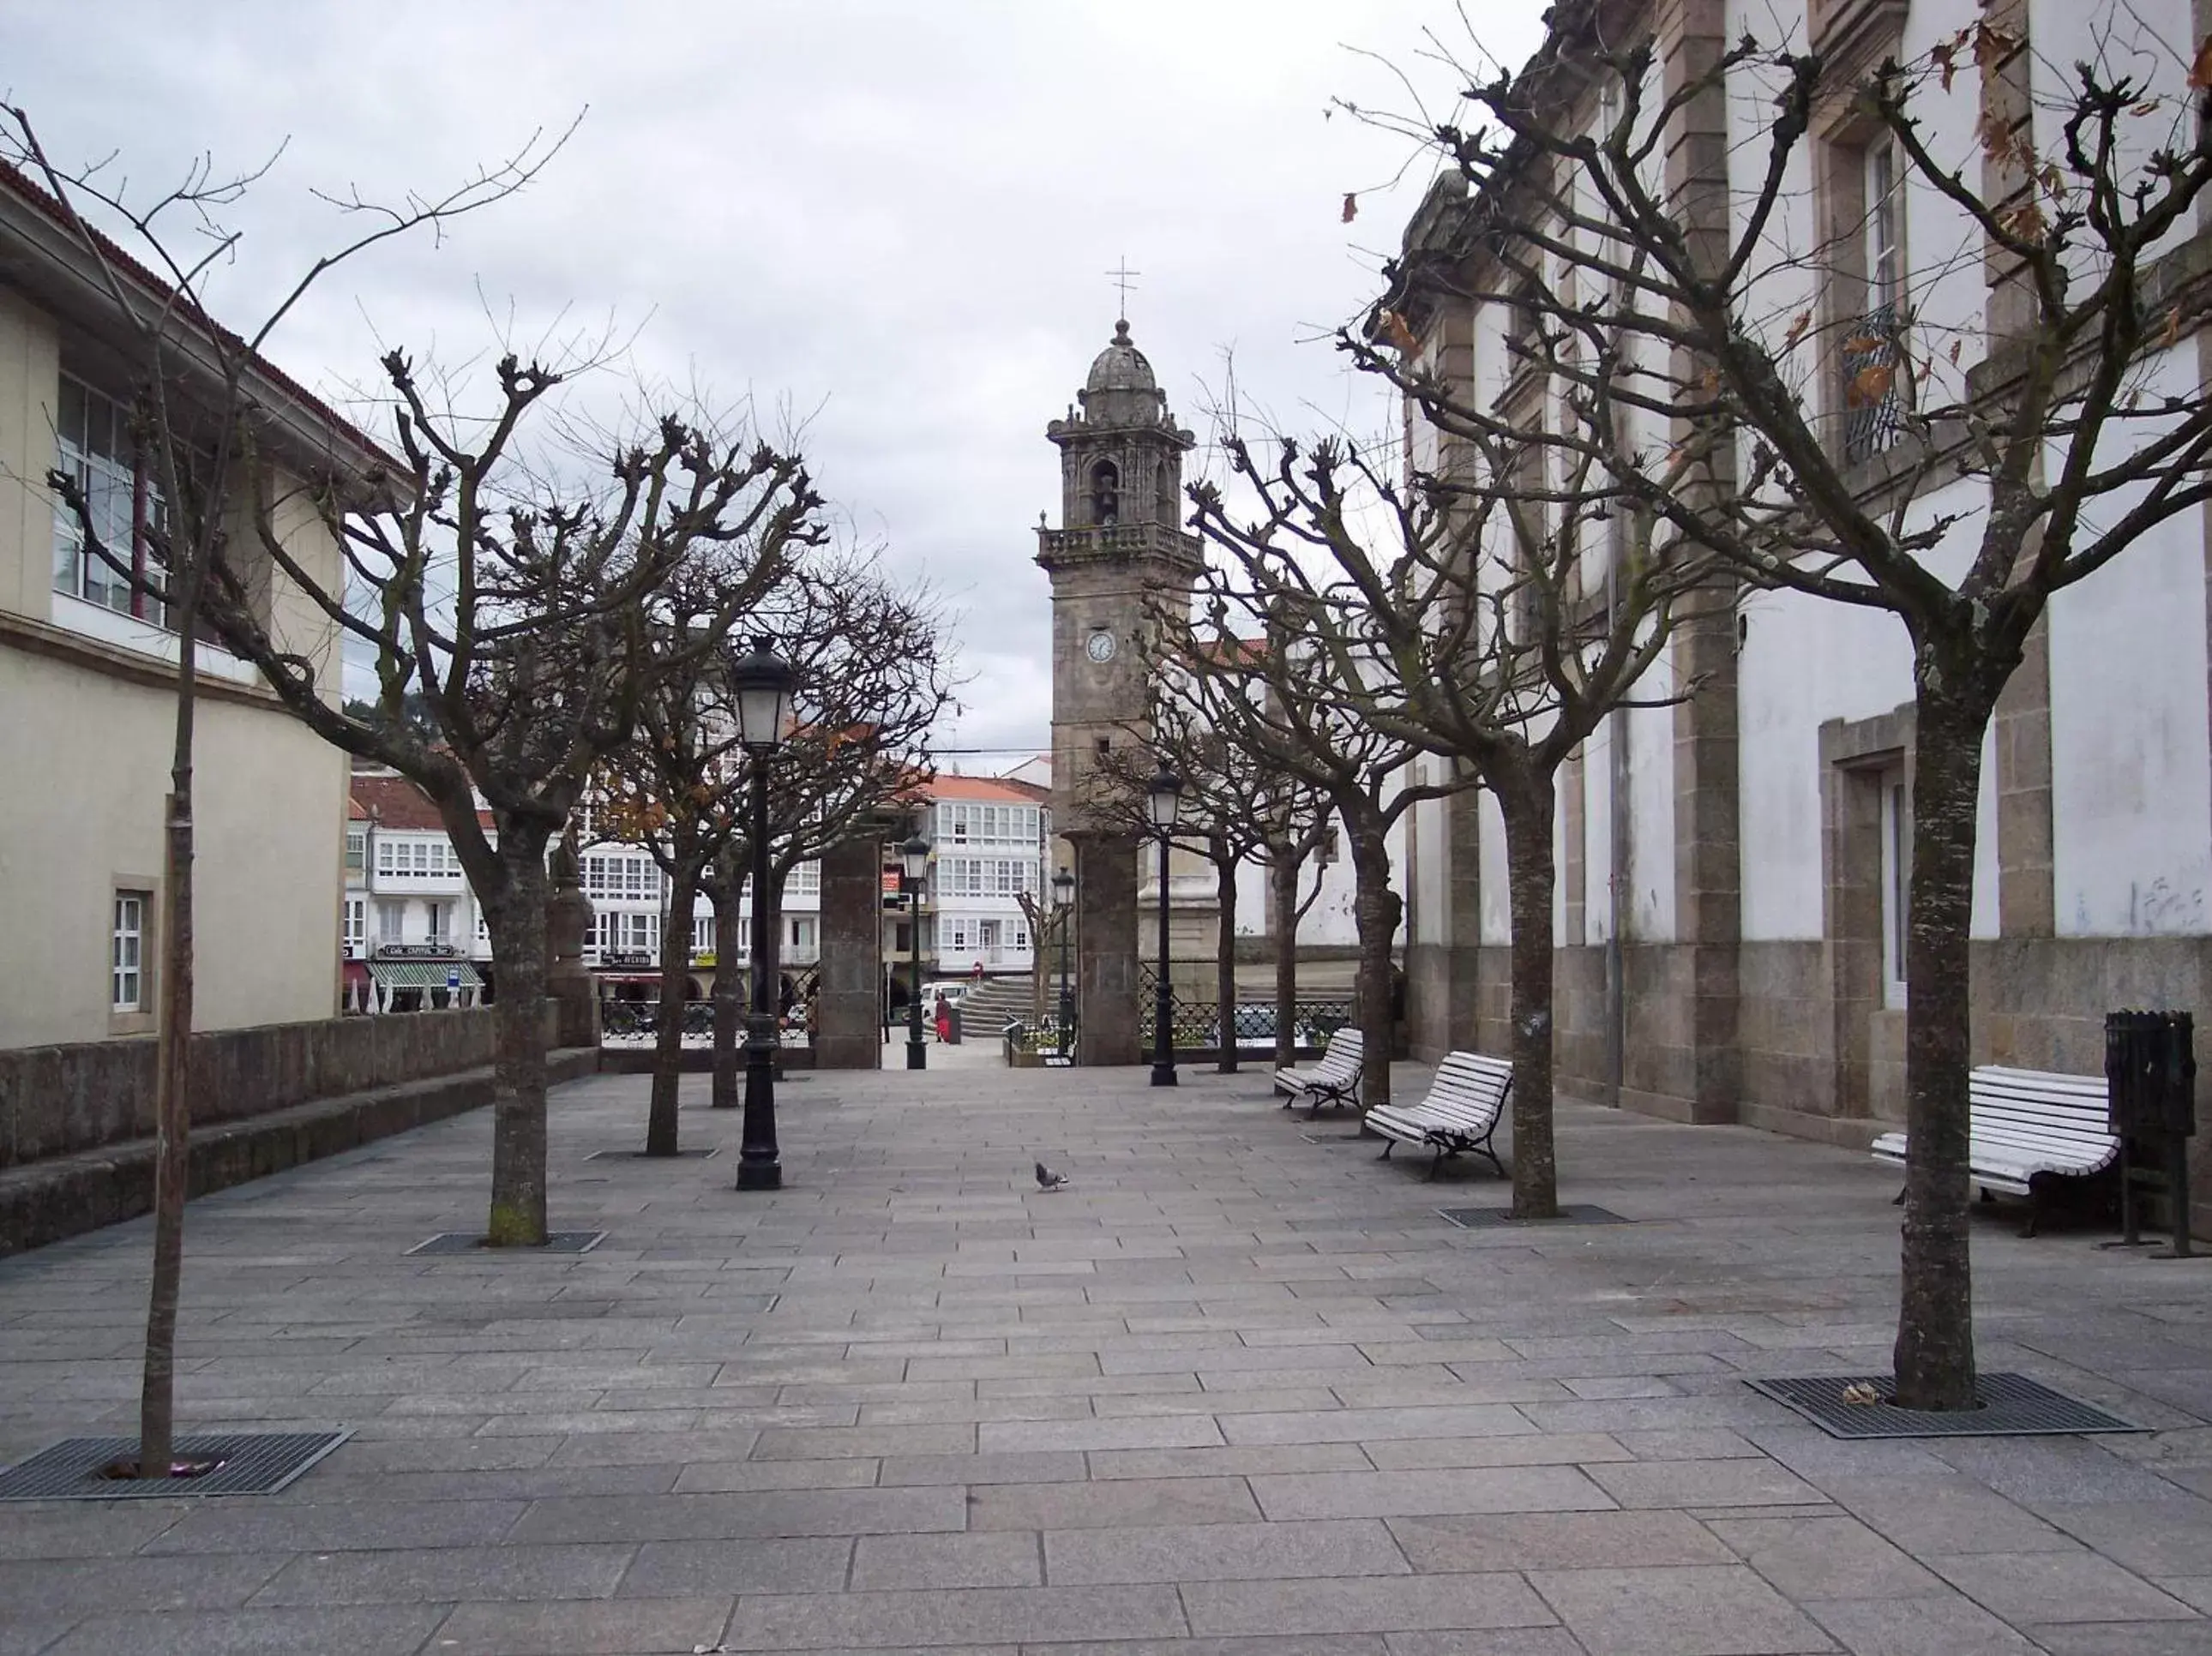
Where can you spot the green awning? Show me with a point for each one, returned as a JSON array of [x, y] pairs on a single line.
[[423, 974]]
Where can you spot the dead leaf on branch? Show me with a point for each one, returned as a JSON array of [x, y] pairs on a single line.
[[1869, 385], [1955, 344], [1801, 321], [2170, 335], [2025, 221], [1863, 344], [1943, 56], [2200, 72], [1395, 329], [1351, 206]]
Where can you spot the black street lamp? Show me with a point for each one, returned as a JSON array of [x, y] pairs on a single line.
[[1063, 899], [1162, 796], [761, 684], [913, 865]]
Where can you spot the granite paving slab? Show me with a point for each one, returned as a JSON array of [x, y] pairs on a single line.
[[1231, 1394]]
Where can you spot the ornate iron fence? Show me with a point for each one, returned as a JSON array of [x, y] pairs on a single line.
[[1196, 1020]]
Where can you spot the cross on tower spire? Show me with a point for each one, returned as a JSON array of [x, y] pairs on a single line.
[[1123, 279]]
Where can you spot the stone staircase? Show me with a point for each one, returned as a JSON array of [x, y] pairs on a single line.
[[986, 1007]]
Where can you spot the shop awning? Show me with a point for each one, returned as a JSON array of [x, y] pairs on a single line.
[[355, 973], [423, 974]]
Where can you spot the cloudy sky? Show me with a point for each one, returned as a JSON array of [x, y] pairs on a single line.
[[892, 218]]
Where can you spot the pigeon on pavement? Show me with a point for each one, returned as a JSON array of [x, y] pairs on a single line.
[[1048, 1180]]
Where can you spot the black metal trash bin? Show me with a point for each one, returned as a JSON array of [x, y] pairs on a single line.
[[2150, 1078]]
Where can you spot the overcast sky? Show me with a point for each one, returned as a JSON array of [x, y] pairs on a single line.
[[895, 217]]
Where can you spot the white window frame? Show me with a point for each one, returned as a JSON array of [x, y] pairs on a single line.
[[1885, 228], [128, 917], [1896, 862], [353, 923], [117, 486], [391, 919], [437, 921], [356, 851]]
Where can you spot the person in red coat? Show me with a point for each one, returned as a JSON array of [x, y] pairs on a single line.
[[943, 1017]]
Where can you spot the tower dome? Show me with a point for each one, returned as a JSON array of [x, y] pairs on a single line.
[[1121, 366]]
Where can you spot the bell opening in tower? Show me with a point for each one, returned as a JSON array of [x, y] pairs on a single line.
[[1105, 494]]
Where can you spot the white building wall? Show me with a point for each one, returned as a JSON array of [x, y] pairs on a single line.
[[2131, 752]]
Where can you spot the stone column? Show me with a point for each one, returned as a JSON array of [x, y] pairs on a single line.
[[1106, 948], [848, 1011], [569, 985]]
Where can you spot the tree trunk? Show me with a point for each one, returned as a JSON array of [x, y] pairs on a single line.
[[1225, 961], [1527, 806], [1283, 895], [517, 917], [660, 1121], [729, 989], [172, 1058], [172, 1104], [1935, 1356], [1376, 909]]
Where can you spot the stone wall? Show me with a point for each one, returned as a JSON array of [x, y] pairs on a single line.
[[57, 1100], [1813, 1065]]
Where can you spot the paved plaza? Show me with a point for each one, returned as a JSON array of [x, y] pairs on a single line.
[[1239, 1388]]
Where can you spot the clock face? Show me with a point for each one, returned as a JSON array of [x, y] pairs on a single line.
[[1100, 646]]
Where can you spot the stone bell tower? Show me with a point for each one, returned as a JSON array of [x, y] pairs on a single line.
[[1120, 545]]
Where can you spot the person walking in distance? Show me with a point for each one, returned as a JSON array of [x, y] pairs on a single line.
[[944, 1018]]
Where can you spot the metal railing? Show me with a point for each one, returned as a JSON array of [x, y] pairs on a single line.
[[1196, 1025]]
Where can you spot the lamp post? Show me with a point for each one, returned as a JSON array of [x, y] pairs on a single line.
[[1063, 899], [913, 866], [760, 684], [1164, 794]]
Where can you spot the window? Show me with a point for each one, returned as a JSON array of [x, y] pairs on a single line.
[[1896, 884], [356, 850], [702, 934], [802, 932], [127, 970], [622, 878], [415, 859], [1885, 259], [355, 924], [92, 444], [805, 881], [391, 918], [1867, 220], [441, 922]]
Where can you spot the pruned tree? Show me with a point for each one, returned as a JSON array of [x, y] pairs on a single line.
[[1245, 665], [1234, 807], [1492, 609], [210, 417], [1952, 441], [875, 673]]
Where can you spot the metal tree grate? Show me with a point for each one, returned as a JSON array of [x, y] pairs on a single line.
[[2013, 1405], [1574, 1213], [249, 1463], [470, 1241], [687, 1154]]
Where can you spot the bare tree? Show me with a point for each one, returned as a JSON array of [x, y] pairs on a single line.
[[874, 675], [1246, 668], [1230, 805], [1493, 610], [208, 413], [1878, 445]]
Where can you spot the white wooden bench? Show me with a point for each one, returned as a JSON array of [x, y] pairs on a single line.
[[1334, 1080], [2026, 1128], [1458, 1114]]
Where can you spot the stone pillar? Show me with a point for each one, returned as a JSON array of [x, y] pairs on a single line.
[[568, 987], [1706, 1077], [1106, 948], [848, 1010]]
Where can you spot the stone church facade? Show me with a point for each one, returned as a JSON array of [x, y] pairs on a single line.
[[1731, 865]]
